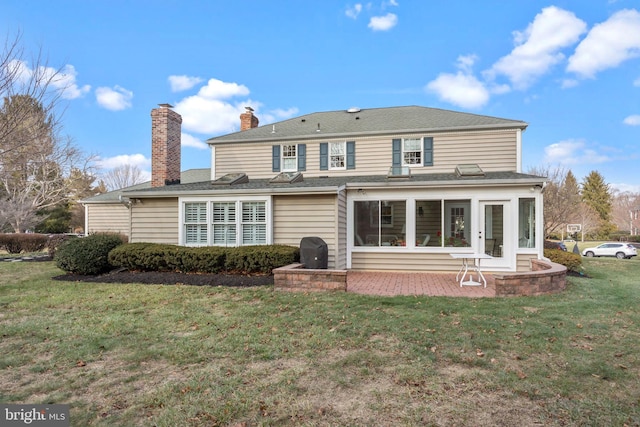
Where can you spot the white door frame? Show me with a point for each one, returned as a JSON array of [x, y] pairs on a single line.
[[506, 261]]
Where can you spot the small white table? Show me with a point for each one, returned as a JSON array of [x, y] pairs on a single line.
[[473, 266]]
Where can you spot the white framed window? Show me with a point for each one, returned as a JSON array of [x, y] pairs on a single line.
[[289, 158], [337, 155], [245, 221], [195, 223], [254, 223], [223, 223], [412, 152]]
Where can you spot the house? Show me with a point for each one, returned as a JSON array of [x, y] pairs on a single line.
[[398, 188]]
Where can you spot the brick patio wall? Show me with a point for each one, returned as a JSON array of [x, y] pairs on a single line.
[[544, 278], [295, 277]]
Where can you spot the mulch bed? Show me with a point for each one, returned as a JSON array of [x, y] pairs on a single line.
[[170, 278]]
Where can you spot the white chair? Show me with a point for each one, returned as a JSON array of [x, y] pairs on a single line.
[[427, 237]]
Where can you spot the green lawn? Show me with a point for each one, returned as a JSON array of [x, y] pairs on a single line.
[[145, 355]]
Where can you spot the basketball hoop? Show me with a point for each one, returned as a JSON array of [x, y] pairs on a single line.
[[574, 228]]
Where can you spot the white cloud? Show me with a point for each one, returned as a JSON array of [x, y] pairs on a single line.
[[217, 89], [383, 23], [608, 44], [138, 160], [115, 99], [569, 83], [217, 106], [187, 140], [538, 47], [462, 89], [636, 82], [572, 152], [353, 12], [180, 83], [633, 120], [209, 116], [63, 80], [624, 188]]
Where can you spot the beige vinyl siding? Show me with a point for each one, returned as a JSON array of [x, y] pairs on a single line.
[[523, 261], [492, 150], [295, 217], [403, 261], [155, 221], [107, 218]]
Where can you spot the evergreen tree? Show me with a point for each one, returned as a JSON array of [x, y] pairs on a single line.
[[596, 193]]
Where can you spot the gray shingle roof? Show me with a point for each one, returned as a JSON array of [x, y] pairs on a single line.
[[368, 122], [188, 176]]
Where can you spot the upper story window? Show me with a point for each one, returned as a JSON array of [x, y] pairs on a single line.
[[412, 152], [337, 155], [289, 158]]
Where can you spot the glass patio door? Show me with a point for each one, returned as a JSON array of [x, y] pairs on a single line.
[[493, 236]]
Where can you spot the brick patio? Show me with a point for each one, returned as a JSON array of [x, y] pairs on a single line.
[[430, 284]]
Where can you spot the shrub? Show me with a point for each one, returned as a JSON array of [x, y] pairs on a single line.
[[261, 259], [56, 240], [570, 260], [15, 243], [88, 255], [210, 259]]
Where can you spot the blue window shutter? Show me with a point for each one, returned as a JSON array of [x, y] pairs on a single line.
[[324, 156], [396, 159], [428, 151], [351, 154], [302, 157], [275, 160]]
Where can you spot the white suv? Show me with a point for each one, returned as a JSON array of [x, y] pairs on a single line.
[[618, 250]]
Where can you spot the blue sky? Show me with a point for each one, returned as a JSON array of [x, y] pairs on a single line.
[[569, 68]]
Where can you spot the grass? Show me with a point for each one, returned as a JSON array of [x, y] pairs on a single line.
[[201, 356]]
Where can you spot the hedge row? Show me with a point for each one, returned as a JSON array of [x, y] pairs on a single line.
[[570, 260], [210, 259], [15, 243]]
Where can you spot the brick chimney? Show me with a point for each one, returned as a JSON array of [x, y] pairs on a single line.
[[165, 146], [248, 120]]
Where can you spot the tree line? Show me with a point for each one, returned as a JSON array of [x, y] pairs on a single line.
[[601, 212]]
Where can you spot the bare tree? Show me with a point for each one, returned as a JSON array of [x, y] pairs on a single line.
[[123, 176], [37, 81], [626, 211], [557, 202], [35, 160]]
